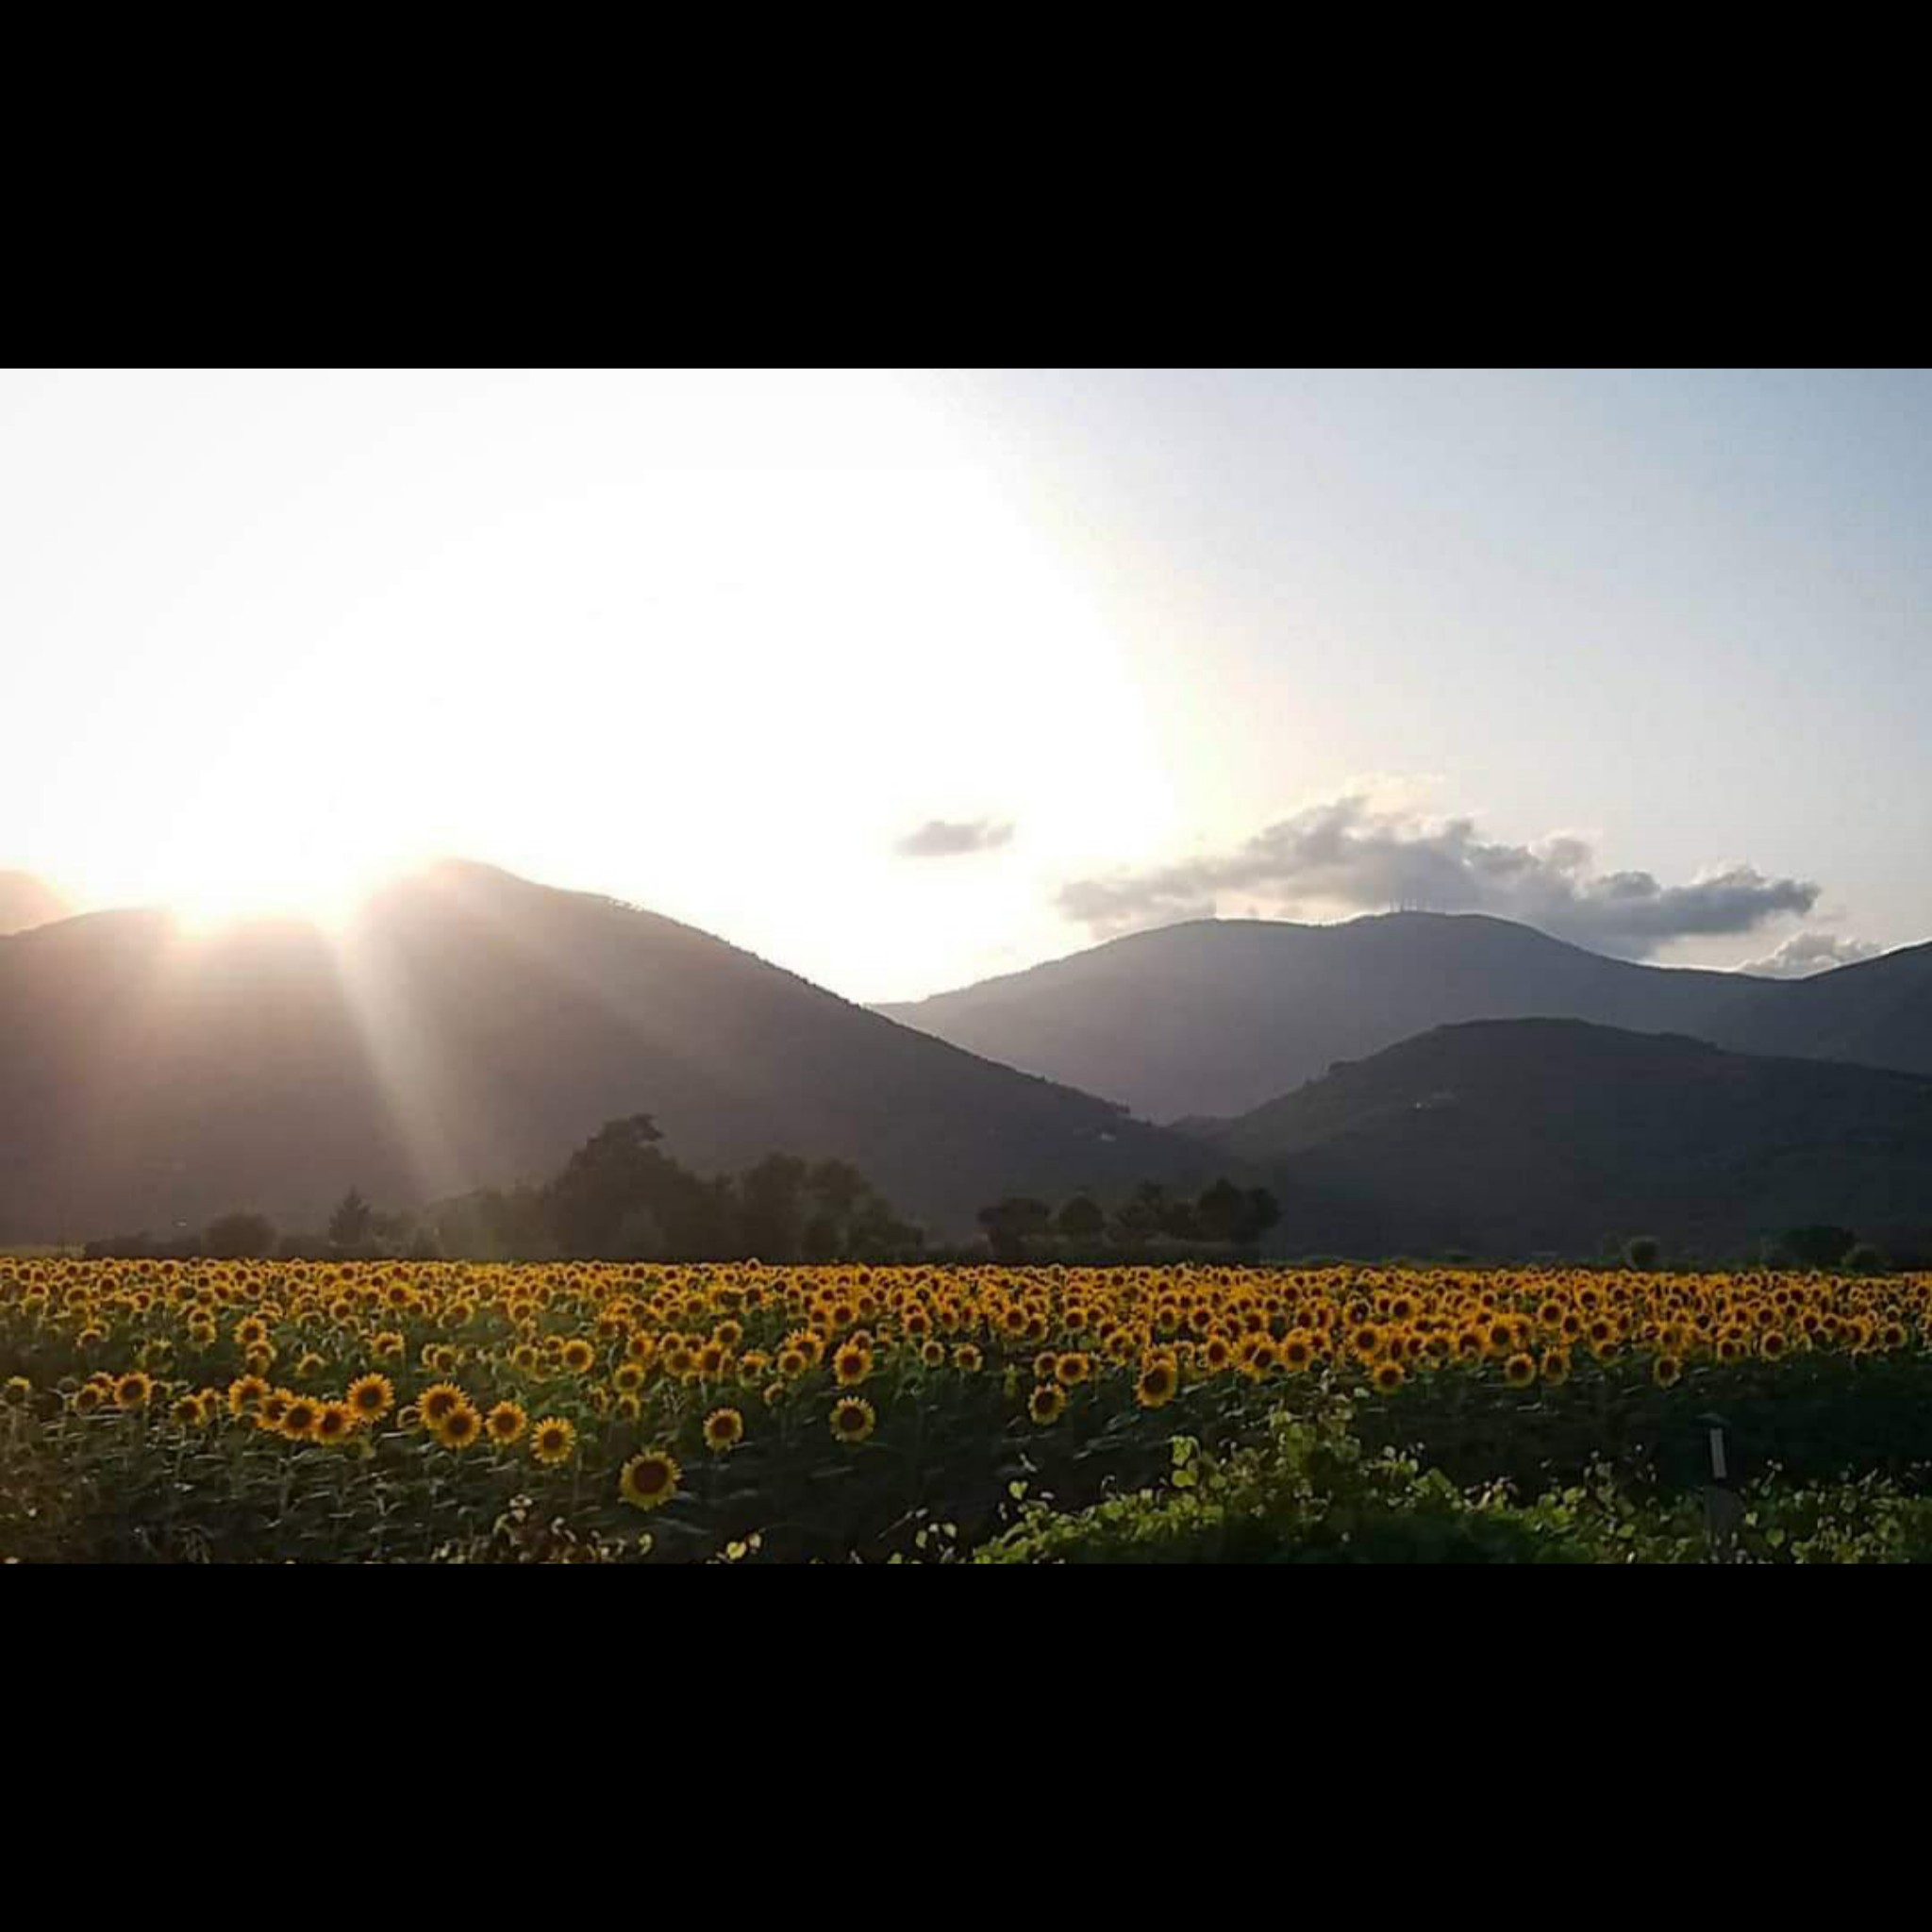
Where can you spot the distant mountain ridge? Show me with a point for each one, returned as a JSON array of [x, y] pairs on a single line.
[[471, 1028], [1505, 1137], [1213, 1017]]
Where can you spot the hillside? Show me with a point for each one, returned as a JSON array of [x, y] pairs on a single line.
[[1217, 1016], [1514, 1137], [470, 1028], [1877, 1012]]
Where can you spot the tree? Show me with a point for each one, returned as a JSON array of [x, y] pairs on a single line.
[[1218, 1211], [1642, 1251], [838, 1187], [615, 1173], [770, 1209], [353, 1223], [1143, 1215], [1865, 1258], [1227, 1214], [1081, 1220], [1819, 1245], [1263, 1213], [238, 1236], [1009, 1222]]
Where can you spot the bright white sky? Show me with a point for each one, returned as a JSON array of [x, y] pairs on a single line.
[[718, 642]]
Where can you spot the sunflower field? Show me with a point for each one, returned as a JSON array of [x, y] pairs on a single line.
[[577, 1411]]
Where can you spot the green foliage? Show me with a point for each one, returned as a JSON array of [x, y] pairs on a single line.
[[1311, 1493]]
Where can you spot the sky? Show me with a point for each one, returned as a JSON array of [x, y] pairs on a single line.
[[904, 678]]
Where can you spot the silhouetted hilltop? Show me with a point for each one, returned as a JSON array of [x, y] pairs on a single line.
[[471, 1028], [1505, 1137]]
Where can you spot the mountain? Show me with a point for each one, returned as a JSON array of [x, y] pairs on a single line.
[[470, 1028], [1509, 1138], [1215, 1016], [1877, 1012], [26, 902]]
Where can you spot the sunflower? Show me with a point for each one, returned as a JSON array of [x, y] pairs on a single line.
[[853, 1419], [1296, 1353], [932, 1352], [1666, 1371], [460, 1427], [1519, 1371], [1556, 1367], [335, 1422], [553, 1438], [1072, 1370], [440, 1400], [133, 1390], [299, 1417], [1389, 1377], [628, 1378], [371, 1397], [966, 1359], [1160, 1381], [724, 1429], [505, 1422], [1046, 1403], [187, 1410], [577, 1355], [852, 1364], [246, 1393], [649, 1479], [87, 1398]]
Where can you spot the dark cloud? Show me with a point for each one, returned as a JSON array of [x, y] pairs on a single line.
[[945, 838], [1349, 855], [1805, 953]]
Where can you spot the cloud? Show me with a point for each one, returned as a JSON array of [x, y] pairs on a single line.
[[1355, 855], [946, 838], [1805, 953]]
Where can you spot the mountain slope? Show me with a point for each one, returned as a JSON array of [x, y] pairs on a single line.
[[1216, 1016], [1877, 1012], [471, 1028], [1512, 1137]]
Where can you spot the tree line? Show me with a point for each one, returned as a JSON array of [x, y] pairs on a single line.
[[1222, 1214], [619, 1196]]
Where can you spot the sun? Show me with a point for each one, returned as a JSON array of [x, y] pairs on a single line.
[[225, 888]]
